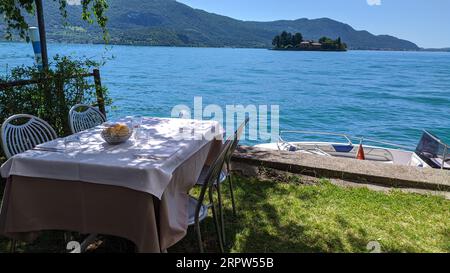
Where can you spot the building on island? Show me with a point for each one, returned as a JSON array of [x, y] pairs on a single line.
[[316, 45], [310, 45]]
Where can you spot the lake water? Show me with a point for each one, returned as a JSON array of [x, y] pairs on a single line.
[[390, 96]]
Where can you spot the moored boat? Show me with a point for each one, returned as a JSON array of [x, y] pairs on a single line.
[[431, 152]]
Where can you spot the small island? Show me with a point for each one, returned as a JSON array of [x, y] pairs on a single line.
[[288, 41]]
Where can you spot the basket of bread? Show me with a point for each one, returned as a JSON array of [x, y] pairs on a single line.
[[116, 133]]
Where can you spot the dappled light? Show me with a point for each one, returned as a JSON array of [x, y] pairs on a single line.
[[132, 126], [292, 217]]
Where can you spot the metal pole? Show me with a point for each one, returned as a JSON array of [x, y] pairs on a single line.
[[444, 156], [41, 25]]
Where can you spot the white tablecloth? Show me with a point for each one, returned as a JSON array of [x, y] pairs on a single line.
[[169, 142]]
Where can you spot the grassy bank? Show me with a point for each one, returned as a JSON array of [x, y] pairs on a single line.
[[290, 217]]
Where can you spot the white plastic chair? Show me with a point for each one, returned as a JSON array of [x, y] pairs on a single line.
[[83, 117], [20, 137]]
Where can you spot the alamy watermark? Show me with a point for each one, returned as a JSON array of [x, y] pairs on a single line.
[[263, 125], [374, 247]]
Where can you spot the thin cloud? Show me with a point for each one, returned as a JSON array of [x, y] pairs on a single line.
[[374, 2]]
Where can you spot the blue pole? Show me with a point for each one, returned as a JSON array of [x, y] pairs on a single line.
[[36, 42]]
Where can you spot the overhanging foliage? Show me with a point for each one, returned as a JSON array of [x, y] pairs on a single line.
[[14, 12]]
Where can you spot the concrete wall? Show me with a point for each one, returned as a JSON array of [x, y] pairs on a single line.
[[353, 170]]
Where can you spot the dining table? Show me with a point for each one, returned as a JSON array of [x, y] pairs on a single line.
[[137, 190]]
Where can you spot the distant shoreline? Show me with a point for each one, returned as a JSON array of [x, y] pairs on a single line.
[[430, 50]]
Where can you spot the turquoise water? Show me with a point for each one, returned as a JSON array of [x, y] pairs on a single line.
[[390, 96]]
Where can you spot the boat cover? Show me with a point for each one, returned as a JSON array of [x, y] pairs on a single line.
[[433, 151]]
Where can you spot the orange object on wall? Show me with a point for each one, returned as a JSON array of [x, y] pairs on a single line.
[[360, 155]]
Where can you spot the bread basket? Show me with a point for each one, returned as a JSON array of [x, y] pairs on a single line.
[[116, 133]]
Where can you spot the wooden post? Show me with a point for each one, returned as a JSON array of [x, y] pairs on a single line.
[[99, 91], [61, 105], [46, 87], [41, 26]]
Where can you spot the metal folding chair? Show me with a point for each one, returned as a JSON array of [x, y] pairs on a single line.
[[225, 174], [198, 211]]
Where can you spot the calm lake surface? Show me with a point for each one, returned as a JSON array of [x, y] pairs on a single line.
[[390, 96]]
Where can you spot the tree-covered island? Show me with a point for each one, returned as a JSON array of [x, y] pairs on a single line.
[[289, 41]]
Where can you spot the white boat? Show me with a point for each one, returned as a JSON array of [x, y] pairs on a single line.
[[431, 152]]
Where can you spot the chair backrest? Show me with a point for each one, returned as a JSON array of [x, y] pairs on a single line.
[[213, 174], [235, 140], [83, 117], [23, 132]]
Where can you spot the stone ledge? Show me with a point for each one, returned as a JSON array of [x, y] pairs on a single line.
[[346, 169]]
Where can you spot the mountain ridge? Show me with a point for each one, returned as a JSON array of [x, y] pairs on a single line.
[[170, 23]]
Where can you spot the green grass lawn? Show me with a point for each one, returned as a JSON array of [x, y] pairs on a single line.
[[290, 217]]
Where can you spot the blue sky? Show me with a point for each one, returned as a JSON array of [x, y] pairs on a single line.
[[425, 22]]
